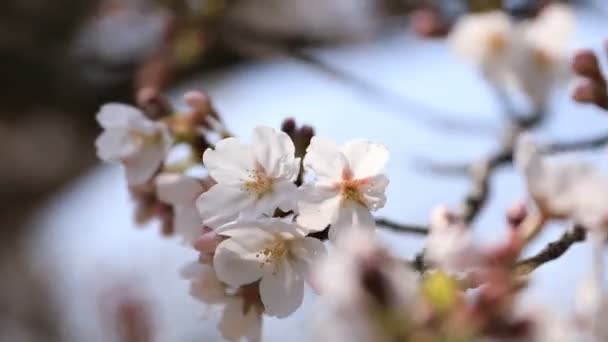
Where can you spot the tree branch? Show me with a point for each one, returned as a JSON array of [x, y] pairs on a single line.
[[402, 228], [582, 144], [551, 252]]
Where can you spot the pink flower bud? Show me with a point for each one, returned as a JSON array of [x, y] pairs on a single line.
[[207, 242], [516, 214]]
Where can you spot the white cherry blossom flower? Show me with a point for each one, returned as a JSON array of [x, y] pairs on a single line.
[[241, 316], [450, 244], [252, 180], [529, 56], [360, 285], [180, 191], [572, 190], [139, 143], [349, 185], [273, 251]]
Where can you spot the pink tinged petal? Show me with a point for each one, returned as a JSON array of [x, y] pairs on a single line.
[[351, 215], [236, 324], [365, 159], [207, 242], [237, 260], [306, 253], [230, 162], [187, 222], [317, 207], [176, 189], [373, 190], [222, 204], [141, 166], [325, 159], [282, 291], [204, 284], [274, 151]]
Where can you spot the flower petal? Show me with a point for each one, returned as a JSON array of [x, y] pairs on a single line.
[[140, 166], [351, 216], [115, 144], [114, 115], [173, 188], [365, 159], [187, 222], [374, 192], [282, 292], [222, 204], [324, 157], [274, 151], [236, 324], [306, 253], [317, 207], [230, 162], [236, 259], [204, 284]]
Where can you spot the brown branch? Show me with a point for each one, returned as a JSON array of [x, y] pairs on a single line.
[[551, 252], [402, 228], [582, 144]]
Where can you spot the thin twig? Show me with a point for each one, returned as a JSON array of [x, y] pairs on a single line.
[[551, 252], [402, 228], [582, 144]]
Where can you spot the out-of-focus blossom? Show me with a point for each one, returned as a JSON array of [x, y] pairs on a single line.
[[273, 251], [138, 143], [251, 180], [349, 184], [564, 190], [529, 56], [242, 313], [366, 294], [181, 191], [450, 244]]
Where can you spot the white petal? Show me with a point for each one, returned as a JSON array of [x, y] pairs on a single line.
[[374, 192], [222, 204], [351, 216], [324, 157], [237, 260], [114, 115], [274, 151], [140, 166], [204, 283], [306, 253], [236, 324], [287, 195], [115, 144], [230, 162], [282, 292], [317, 207], [262, 226], [365, 159], [172, 188], [187, 222]]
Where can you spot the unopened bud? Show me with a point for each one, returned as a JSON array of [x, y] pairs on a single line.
[[207, 243], [516, 214], [585, 63], [289, 126]]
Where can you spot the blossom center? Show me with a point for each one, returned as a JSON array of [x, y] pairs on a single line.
[[496, 43], [259, 183], [144, 139], [273, 254]]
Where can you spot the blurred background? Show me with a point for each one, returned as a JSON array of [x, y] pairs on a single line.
[[72, 263]]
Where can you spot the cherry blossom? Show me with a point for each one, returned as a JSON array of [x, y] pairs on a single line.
[[273, 251], [449, 243], [181, 191], [252, 180], [129, 137], [529, 56], [241, 315], [573, 190], [360, 285], [349, 185]]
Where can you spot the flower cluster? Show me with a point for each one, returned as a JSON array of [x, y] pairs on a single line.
[[528, 55], [245, 209]]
